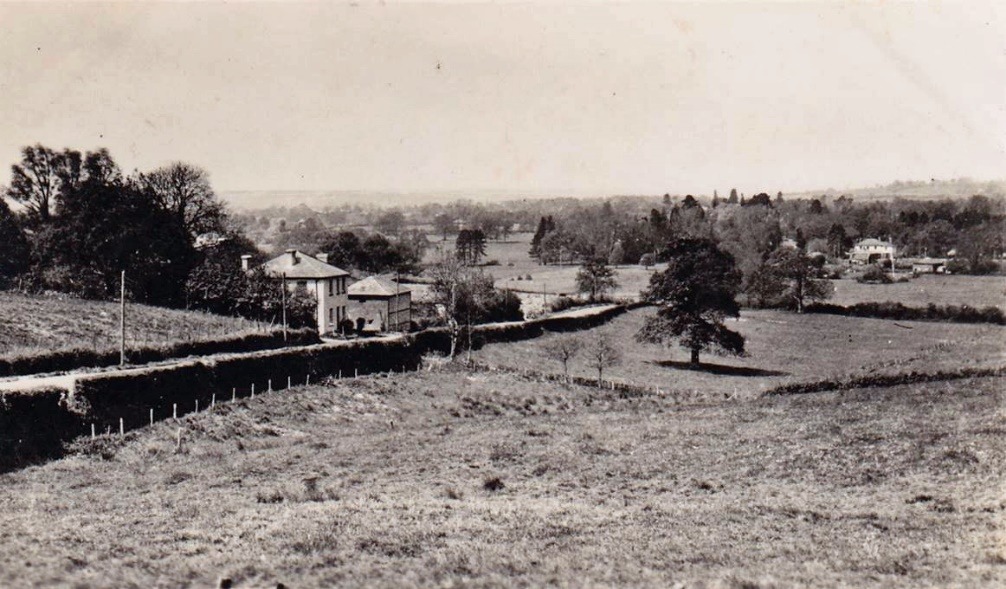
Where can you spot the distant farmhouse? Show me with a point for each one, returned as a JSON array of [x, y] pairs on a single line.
[[872, 251], [326, 282], [381, 304]]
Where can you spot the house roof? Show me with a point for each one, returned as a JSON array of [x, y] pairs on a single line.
[[376, 286], [298, 265], [871, 241]]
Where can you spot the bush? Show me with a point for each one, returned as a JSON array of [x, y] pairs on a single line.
[[874, 275]]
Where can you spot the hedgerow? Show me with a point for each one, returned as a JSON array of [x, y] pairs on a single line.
[[931, 312]]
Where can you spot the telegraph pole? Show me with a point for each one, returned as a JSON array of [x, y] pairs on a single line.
[[282, 289], [122, 319]]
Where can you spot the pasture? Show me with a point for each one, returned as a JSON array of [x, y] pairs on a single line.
[[939, 289], [455, 479], [38, 324], [782, 347]]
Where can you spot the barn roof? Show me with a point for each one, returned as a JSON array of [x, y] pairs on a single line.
[[298, 265], [871, 241]]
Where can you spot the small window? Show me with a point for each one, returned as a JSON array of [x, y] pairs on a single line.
[[331, 286], [302, 284], [331, 315]]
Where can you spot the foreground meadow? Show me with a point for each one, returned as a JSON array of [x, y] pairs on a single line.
[[456, 479], [782, 348]]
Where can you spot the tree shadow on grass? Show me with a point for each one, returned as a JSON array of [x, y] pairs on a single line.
[[720, 369]]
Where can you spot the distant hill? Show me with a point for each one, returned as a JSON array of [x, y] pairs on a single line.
[[931, 190], [321, 199]]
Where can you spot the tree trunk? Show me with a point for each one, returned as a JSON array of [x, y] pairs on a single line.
[[695, 357]]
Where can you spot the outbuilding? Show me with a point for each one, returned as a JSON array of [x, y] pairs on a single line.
[[382, 304]]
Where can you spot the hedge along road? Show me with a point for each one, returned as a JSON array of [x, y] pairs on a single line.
[[69, 381]]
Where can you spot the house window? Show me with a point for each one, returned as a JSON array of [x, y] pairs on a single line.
[[331, 285], [330, 315], [302, 284]]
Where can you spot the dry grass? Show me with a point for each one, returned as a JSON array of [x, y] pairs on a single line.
[[487, 480], [783, 347], [34, 324], [976, 291]]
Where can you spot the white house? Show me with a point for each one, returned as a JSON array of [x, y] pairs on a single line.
[[326, 282], [382, 303], [871, 251]]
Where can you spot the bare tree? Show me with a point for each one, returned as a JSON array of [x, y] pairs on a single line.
[[603, 353], [184, 190], [449, 276], [562, 349]]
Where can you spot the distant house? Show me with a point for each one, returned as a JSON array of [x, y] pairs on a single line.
[[326, 282], [871, 251], [383, 304], [929, 265]]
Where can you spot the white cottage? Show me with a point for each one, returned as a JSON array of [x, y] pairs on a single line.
[[871, 251], [326, 282]]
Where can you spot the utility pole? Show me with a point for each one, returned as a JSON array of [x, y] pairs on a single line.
[[122, 319], [282, 289]]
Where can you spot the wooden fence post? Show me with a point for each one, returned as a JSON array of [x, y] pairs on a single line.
[[151, 416], [174, 410], [122, 428]]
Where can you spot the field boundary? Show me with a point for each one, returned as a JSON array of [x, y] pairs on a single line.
[[35, 423], [881, 381], [897, 311]]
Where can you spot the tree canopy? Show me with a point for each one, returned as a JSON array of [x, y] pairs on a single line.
[[695, 294]]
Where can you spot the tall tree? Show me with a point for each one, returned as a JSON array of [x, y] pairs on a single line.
[[470, 246], [38, 179], [595, 278], [695, 294], [13, 245], [184, 191]]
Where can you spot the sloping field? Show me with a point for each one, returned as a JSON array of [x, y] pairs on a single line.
[[448, 479], [35, 324], [939, 289], [782, 347]]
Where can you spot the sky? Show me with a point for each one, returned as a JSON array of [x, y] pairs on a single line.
[[534, 98]]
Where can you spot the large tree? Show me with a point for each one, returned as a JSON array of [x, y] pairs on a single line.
[[184, 191], [13, 245], [788, 278], [42, 174], [695, 294]]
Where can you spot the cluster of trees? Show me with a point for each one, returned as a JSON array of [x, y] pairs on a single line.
[[81, 222], [354, 250], [470, 246], [599, 352]]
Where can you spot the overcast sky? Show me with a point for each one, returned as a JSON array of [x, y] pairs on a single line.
[[568, 98]]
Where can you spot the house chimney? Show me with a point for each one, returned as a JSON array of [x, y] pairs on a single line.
[[322, 257], [293, 256], [246, 262]]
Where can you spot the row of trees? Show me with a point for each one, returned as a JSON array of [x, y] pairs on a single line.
[[80, 221]]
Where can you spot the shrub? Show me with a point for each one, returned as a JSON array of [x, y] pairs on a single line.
[[875, 275]]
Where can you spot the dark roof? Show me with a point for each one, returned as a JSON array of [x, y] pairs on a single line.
[[298, 265], [376, 286]]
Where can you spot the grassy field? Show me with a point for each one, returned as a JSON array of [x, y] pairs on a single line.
[[450, 479], [34, 324], [782, 347], [977, 291]]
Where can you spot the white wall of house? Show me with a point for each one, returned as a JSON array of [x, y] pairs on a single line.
[[331, 296]]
